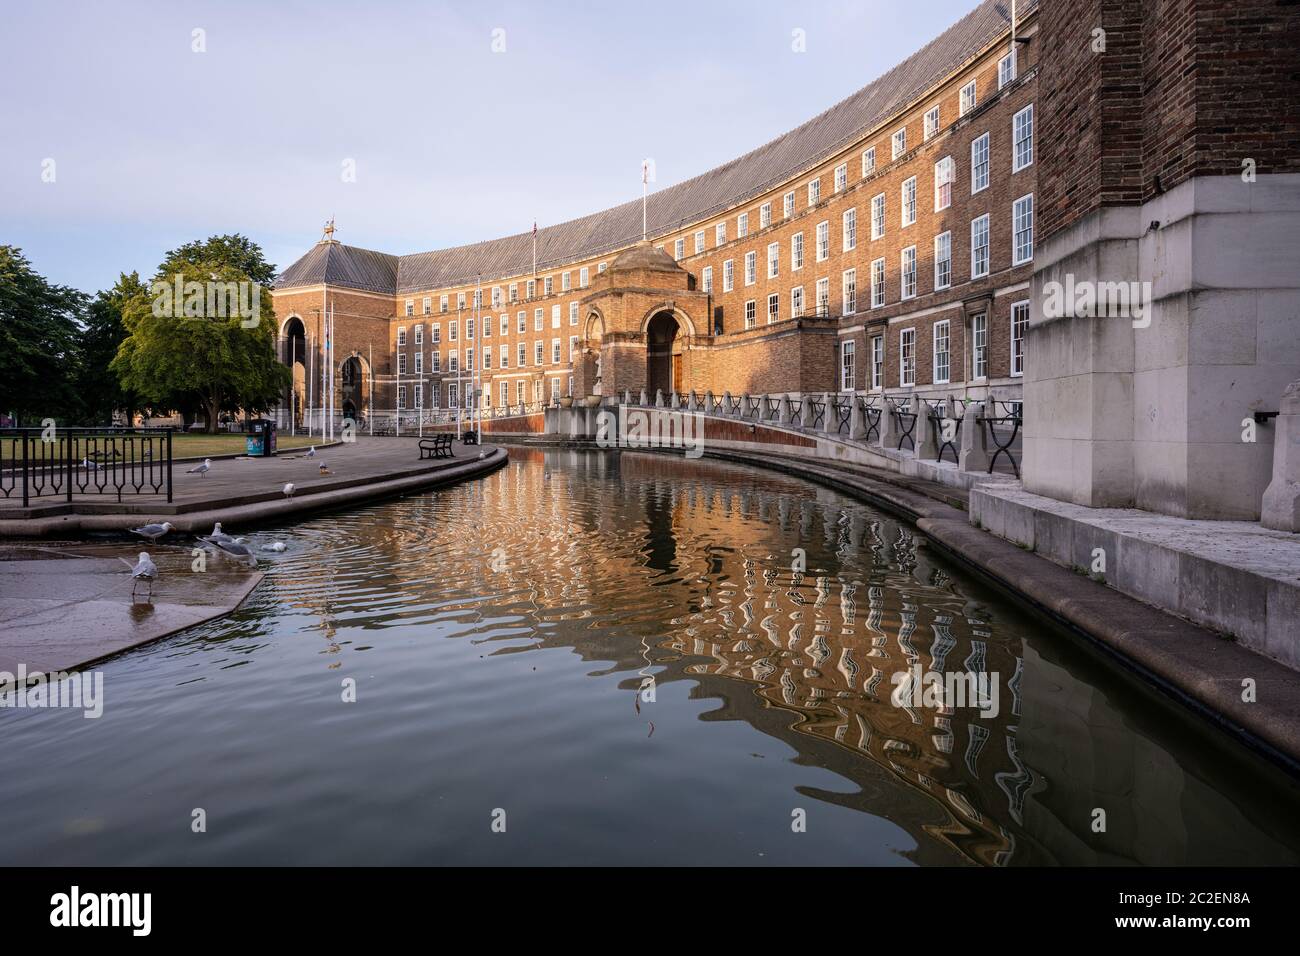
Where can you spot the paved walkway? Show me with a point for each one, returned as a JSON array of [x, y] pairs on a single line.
[[66, 605], [247, 490]]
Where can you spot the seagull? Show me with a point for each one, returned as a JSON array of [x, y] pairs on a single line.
[[324, 470], [276, 546], [153, 531], [217, 534], [142, 570], [311, 452], [89, 465], [200, 470], [236, 548], [288, 490]]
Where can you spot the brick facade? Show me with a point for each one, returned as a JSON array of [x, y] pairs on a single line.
[[722, 351]]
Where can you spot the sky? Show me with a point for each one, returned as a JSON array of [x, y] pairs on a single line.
[[124, 133]]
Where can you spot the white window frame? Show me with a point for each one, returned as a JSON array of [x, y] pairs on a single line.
[[849, 230], [720, 234], [751, 267], [868, 161], [877, 283], [787, 205], [979, 147], [979, 344], [751, 313], [941, 332], [943, 257], [814, 191], [1007, 69], [969, 98], [765, 215], [906, 268], [898, 143], [796, 252], [931, 123], [773, 260], [1022, 139], [729, 275], [907, 201], [841, 179], [848, 364], [877, 362], [699, 241], [877, 216], [823, 250], [1019, 329], [849, 291], [906, 345], [796, 302], [707, 278], [975, 229], [742, 225], [1022, 226], [773, 308], [945, 174]]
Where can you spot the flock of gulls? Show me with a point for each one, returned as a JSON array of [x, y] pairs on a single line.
[[145, 571]]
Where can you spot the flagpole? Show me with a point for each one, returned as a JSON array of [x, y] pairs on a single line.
[[534, 247]]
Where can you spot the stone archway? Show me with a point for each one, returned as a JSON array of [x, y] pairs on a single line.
[[664, 363], [354, 388], [293, 353]]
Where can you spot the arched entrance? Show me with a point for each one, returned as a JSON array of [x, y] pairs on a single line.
[[663, 354], [353, 388], [293, 339]]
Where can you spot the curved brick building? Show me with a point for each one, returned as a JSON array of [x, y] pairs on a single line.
[[886, 244]]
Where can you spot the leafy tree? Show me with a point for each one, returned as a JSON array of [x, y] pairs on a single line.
[[38, 330], [179, 349], [97, 386], [236, 251]]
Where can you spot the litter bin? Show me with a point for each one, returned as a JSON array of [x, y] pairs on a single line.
[[260, 442]]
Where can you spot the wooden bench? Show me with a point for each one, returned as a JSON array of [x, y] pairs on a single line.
[[439, 446]]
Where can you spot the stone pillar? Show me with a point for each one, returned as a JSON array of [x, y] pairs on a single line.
[[888, 424], [784, 414], [828, 419], [857, 420], [726, 402], [927, 441], [659, 398], [645, 399], [1281, 506], [974, 453]]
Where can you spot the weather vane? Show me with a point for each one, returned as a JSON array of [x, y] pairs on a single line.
[[329, 229]]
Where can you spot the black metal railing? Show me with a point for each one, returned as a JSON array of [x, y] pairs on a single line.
[[61, 462], [843, 414], [872, 415], [947, 437], [818, 412], [906, 428], [1010, 426]]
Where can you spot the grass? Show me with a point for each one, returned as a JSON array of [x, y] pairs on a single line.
[[182, 446], [208, 446]]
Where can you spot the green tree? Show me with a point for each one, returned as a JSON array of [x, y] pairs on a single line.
[[99, 389], [236, 251], [180, 349], [38, 332]]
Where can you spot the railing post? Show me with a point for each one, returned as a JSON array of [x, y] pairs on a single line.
[[26, 468], [783, 416], [888, 424], [67, 448], [1280, 506], [974, 454], [169, 466], [927, 445]]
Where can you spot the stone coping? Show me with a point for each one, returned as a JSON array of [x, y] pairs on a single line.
[[1236, 577]]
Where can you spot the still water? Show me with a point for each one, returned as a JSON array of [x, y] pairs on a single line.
[[613, 659]]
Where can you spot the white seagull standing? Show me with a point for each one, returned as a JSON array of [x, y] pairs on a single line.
[[152, 531], [288, 490], [311, 452], [217, 534], [200, 470], [142, 570]]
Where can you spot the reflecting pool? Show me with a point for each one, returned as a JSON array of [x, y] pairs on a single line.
[[589, 657]]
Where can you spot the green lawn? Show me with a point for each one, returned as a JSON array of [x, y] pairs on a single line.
[[183, 446], [208, 446]]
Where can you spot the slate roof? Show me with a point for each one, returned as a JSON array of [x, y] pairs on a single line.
[[676, 206]]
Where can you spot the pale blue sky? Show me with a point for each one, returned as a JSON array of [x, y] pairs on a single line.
[[155, 145]]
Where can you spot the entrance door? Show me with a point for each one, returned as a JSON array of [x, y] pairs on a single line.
[[677, 374]]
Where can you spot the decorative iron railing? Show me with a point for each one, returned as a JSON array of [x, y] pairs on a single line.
[[61, 462]]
